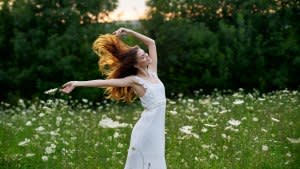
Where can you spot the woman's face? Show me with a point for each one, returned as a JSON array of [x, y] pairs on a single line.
[[143, 59]]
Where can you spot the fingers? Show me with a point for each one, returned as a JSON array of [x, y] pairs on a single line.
[[119, 32], [66, 84], [67, 87], [63, 90], [66, 90]]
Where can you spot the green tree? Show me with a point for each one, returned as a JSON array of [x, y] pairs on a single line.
[[45, 43], [226, 44]]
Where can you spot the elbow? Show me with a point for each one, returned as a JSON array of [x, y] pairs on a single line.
[[151, 42]]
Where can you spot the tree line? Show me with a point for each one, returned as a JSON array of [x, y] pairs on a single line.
[[208, 44]]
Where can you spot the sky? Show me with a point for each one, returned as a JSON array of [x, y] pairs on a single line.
[[129, 10]]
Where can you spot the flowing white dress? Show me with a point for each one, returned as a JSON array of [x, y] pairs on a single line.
[[147, 143]]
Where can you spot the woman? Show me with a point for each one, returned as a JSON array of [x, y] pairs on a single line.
[[130, 72]]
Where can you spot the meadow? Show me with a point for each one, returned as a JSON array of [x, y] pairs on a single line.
[[223, 130]]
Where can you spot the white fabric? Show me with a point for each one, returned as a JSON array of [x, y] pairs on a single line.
[[147, 143]]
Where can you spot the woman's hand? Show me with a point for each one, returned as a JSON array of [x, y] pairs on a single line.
[[68, 87], [122, 31]]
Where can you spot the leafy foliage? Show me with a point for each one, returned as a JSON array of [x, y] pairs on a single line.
[[201, 44], [226, 44], [45, 43]]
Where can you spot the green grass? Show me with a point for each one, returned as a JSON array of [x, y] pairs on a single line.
[[198, 133]]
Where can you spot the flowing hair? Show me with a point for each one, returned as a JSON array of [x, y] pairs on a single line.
[[116, 60]]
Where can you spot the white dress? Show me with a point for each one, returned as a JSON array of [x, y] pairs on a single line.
[[147, 143]]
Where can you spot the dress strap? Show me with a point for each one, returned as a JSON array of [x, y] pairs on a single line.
[[141, 82]]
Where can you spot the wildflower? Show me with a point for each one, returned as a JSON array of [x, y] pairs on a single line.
[[273, 119], [50, 149], [116, 135], [264, 130], [215, 103], [231, 128], [205, 146], [211, 125], [25, 142], [171, 102], [265, 148], [255, 119], [21, 102], [29, 155], [190, 100], [120, 145], [44, 158], [195, 135], [238, 101], [188, 130], [28, 123], [189, 117], [54, 133], [85, 100], [224, 135], [204, 130], [294, 140], [244, 118], [51, 91], [213, 156], [206, 101], [109, 123], [234, 122], [58, 120], [225, 147], [46, 108], [173, 112], [223, 111], [41, 128]]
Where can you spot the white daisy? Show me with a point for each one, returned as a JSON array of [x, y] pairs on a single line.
[[294, 140], [276, 120], [238, 101], [234, 122], [109, 123], [265, 148]]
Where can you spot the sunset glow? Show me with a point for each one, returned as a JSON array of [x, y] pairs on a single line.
[[129, 10]]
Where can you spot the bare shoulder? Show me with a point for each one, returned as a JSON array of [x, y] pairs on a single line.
[[131, 80]]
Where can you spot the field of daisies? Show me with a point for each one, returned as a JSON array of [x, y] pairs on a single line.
[[224, 130]]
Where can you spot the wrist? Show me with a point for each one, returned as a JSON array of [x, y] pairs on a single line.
[[76, 83], [129, 31]]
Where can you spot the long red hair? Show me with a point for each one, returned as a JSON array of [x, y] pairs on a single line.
[[116, 60]]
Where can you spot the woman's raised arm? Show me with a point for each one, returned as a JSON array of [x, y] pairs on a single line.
[[146, 40]]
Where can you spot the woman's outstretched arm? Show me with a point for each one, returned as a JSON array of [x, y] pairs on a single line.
[[146, 40], [122, 82]]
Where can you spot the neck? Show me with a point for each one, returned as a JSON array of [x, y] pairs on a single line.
[[143, 72]]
